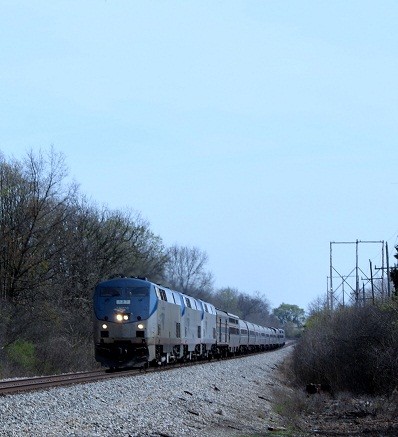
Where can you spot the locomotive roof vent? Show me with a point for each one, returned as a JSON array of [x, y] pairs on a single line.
[[143, 278]]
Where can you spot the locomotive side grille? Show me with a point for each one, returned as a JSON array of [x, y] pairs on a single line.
[[178, 330]]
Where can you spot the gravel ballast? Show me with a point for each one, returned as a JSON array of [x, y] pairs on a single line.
[[220, 398]]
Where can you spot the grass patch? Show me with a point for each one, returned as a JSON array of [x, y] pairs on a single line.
[[23, 354]]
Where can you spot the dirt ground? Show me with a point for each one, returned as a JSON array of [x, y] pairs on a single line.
[[349, 415], [341, 414]]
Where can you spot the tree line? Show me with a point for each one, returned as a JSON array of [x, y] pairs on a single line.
[[55, 245]]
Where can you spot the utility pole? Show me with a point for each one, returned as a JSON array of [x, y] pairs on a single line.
[[327, 293], [388, 272], [331, 279], [371, 283], [356, 274], [332, 289]]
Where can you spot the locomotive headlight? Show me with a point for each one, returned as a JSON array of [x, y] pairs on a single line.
[[140, 326], [104, 326], [120, 317]]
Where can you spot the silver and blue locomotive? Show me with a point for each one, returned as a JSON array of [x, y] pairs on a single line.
[[138, 322]]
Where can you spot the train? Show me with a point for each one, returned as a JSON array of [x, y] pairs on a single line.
[[138, 323]]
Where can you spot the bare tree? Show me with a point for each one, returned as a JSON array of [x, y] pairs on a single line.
[[254, 308], [318, 305], [185, 271], [148, 253], [34, 204], [227, 300]]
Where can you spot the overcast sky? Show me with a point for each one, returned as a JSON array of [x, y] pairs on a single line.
[[258, 131]]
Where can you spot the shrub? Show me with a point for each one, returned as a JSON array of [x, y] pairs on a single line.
[[60, 355], [353, 349]]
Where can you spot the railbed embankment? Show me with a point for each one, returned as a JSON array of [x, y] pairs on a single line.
[[220, 398]]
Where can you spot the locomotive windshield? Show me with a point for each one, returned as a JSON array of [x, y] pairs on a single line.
[[124, 291], [137, 291], [110, 292]]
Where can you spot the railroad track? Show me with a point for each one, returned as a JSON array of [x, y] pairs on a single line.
[[15, 386], [44, 382]]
